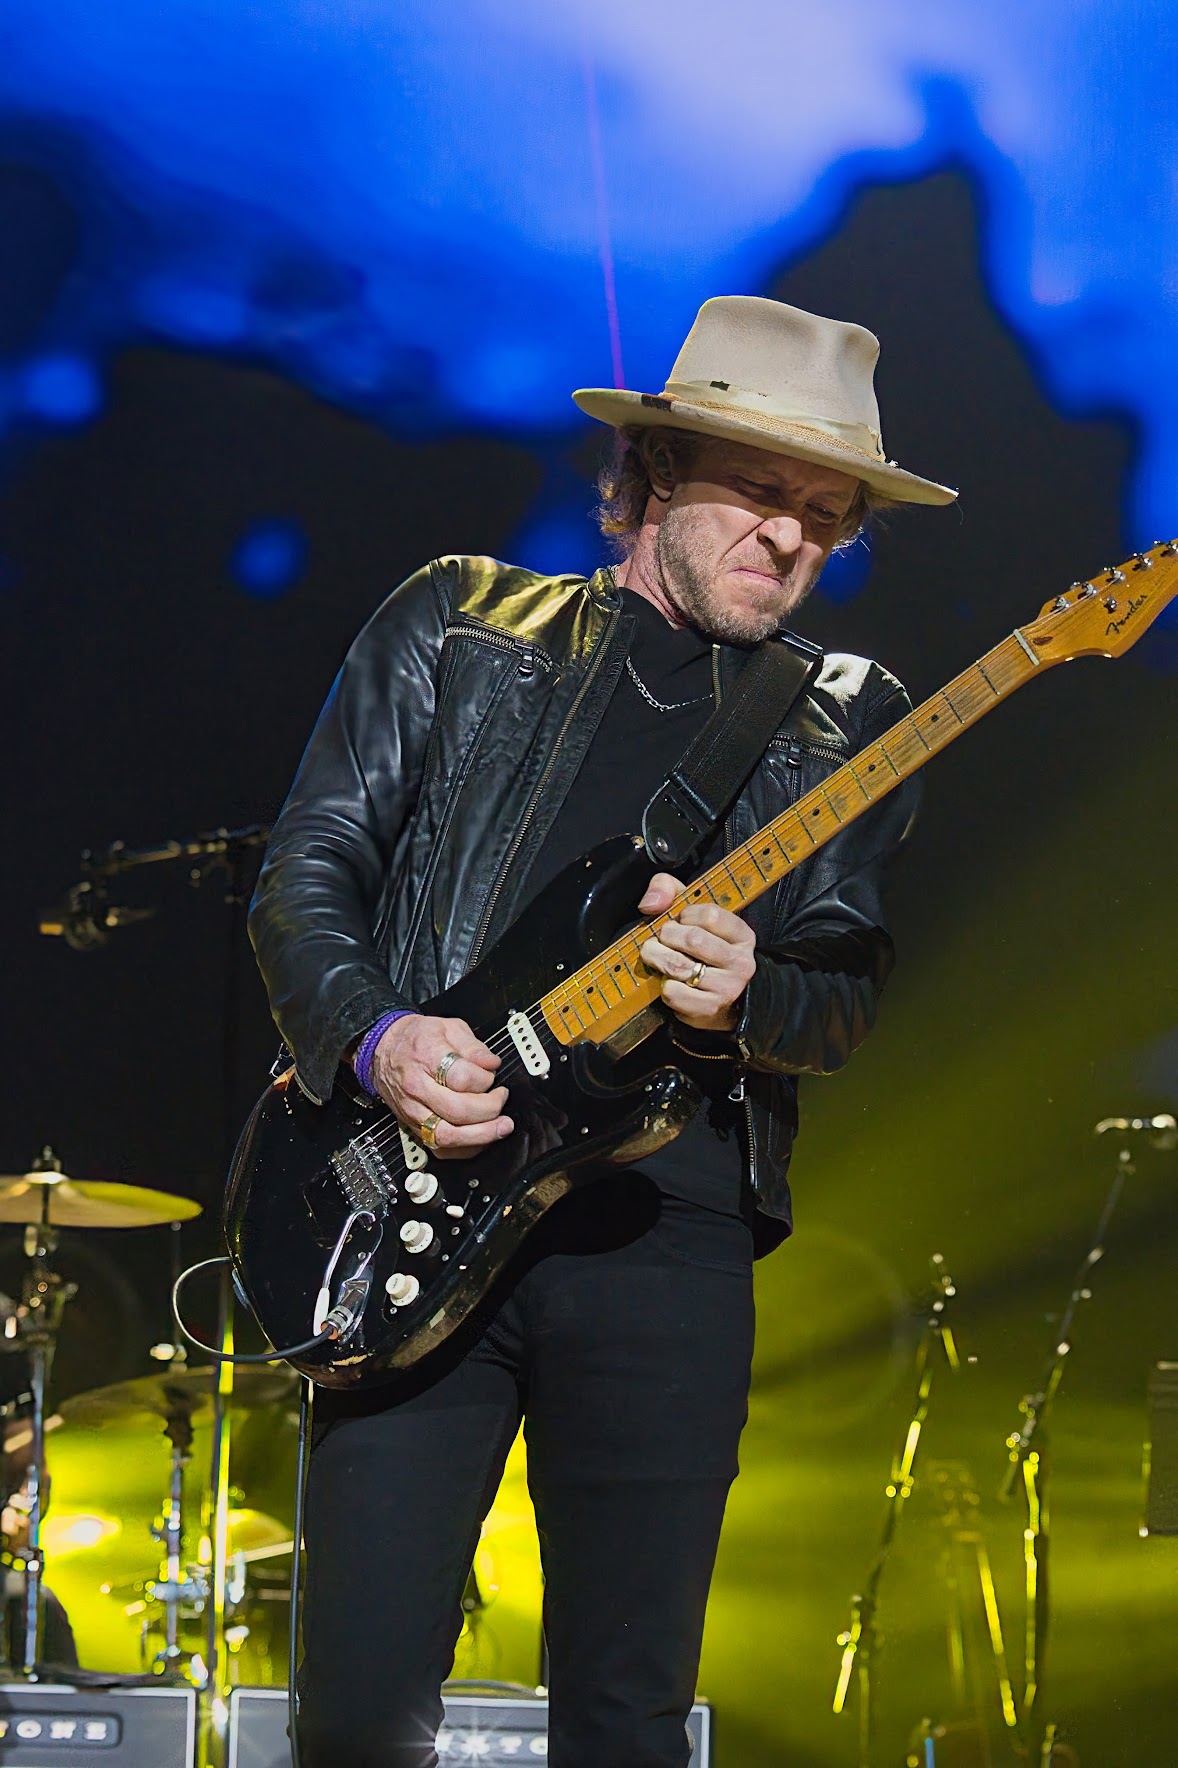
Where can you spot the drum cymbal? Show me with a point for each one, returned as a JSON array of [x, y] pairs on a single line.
[[55, 1199], [255, 1535], [153, 1399]]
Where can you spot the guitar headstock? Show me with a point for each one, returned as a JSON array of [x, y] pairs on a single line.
[[1103, 617]]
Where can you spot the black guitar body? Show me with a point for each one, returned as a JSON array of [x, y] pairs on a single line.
[[333, 1207]]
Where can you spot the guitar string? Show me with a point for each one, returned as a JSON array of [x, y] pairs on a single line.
[[502, 1042]]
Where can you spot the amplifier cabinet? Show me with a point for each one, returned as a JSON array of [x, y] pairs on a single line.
[[44, 1726], [493, 1729]]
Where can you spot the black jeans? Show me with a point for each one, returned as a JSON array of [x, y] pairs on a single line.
[[623, 1336]]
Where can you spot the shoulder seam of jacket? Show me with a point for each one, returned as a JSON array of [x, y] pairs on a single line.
[[437, 573]]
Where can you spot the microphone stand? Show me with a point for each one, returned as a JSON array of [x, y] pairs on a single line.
[[861, 1639], [1028, 1449]]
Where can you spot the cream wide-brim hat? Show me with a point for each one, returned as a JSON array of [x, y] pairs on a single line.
[[775, 377]]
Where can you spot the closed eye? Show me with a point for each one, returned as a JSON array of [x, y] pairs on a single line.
[[764, 494]]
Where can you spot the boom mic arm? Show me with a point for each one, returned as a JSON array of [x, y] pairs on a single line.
[[86, 917]]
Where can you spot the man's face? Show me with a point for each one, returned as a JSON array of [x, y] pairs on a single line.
[[743, 540]]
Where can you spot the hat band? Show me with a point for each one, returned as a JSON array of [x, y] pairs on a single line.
[[719, 397]]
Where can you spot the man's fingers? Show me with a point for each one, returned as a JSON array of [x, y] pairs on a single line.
[[465, 1076], [692, 942], [457, 1107], [722, 922], [471, 1135], [464, 1042], [660, 894], [697, 1004], [660, 957], [453, 1136]]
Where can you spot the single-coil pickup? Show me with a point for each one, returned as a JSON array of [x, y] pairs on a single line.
[[415, 1155], [526, 1041], [363, 1177]]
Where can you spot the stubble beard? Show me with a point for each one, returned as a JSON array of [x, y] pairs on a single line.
[[686, 579]]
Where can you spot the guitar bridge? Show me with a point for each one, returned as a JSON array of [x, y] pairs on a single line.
[[363, 1177]]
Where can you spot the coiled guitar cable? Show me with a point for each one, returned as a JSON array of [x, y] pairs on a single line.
[[333, 1328]]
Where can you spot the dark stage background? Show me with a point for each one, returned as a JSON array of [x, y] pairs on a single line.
[[146, 696]]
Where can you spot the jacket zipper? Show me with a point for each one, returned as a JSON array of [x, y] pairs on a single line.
[[797, 748], [739, 1093], [529, 655], [529, 813], [448, 809]]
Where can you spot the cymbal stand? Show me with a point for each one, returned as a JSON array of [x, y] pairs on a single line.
[[861, 1639], [174, 1589], [1030, 1466], [44, 1295]]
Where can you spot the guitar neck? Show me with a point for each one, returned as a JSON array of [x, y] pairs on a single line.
[[604, 994]]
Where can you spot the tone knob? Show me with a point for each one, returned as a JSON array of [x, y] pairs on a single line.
[[416, 1236], [422, 1187], [402, 1289]]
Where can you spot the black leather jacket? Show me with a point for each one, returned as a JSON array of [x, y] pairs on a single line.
[[450, 737]]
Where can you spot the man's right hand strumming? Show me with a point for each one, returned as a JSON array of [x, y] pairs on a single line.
[[439, 1079]]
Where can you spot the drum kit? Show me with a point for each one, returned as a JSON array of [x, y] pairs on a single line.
[[110, 1562], [98, 1449]]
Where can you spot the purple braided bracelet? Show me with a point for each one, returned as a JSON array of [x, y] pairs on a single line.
[[366, 1049]]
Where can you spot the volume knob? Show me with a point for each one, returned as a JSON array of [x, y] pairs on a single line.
[[416, 1236], [402, 1289], [422, 1187]]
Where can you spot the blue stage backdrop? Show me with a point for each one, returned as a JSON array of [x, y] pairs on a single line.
[[448, 216]]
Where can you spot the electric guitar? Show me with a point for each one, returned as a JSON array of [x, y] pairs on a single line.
[[348, 1243]]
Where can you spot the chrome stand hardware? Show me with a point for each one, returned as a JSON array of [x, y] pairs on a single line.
[[174, 1589], [44, 1295], [861, 1638], [1028, 1448]]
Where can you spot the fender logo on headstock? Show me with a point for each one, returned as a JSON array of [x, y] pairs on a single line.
[[1115, 626]]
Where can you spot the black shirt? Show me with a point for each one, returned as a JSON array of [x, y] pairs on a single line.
[[632, 751]]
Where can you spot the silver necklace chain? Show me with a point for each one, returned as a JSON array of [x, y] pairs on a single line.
[[661, 705]]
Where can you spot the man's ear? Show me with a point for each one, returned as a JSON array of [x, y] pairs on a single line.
[[661, 467]]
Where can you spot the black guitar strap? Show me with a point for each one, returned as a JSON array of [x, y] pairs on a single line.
[[693, 801]]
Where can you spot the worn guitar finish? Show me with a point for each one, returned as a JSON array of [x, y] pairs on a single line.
[[336, 1221]]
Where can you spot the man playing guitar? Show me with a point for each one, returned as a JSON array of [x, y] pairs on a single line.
[[488, 726]]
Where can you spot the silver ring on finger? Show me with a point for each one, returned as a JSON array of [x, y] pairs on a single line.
[[697, 971], [444, 1067]]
